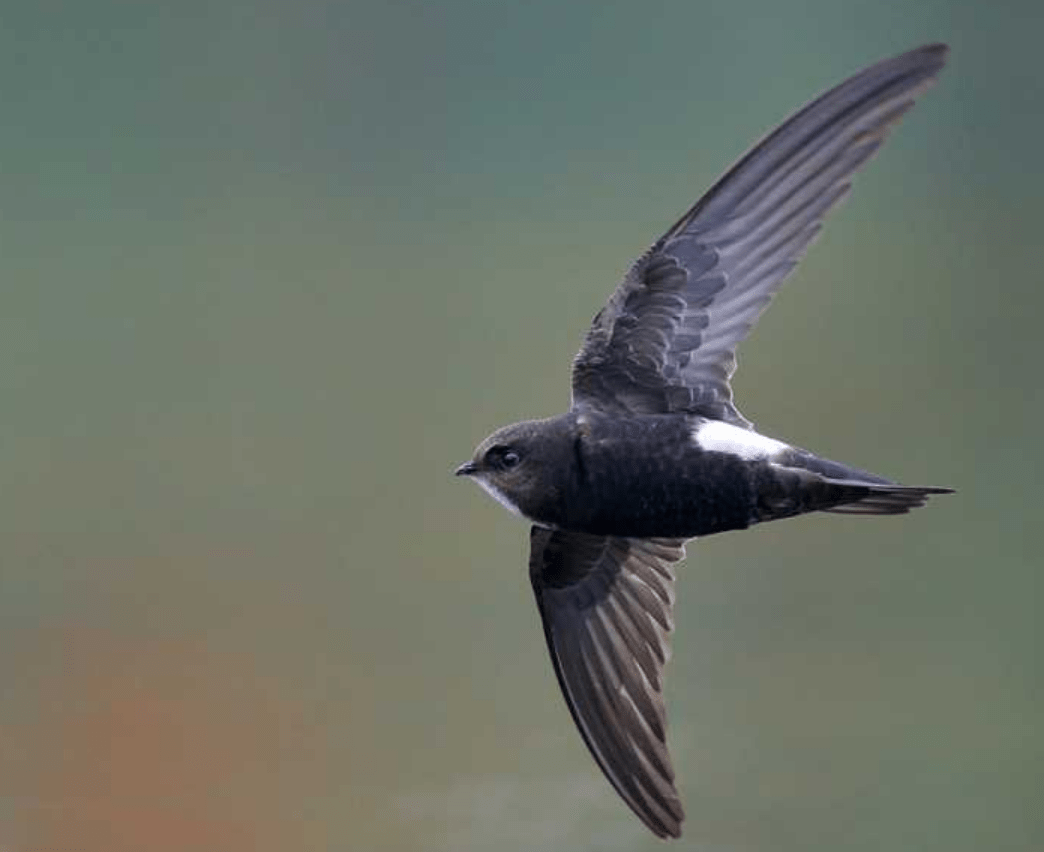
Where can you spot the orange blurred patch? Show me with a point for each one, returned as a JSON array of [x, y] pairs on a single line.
[[156, 745]]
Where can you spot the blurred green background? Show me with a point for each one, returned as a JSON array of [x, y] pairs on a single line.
[[270, 270]]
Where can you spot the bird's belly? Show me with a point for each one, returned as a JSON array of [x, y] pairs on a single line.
[[670, 496]]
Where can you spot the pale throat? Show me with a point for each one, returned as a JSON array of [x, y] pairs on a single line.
[[498, 495]]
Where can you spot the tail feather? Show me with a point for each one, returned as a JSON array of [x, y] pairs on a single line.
[[859, 492], [886, 499], [800, 482]]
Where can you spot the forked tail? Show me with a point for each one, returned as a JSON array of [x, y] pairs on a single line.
[[801, 482]]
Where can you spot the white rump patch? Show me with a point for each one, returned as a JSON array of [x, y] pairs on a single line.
[[716, 436], [497, 495]]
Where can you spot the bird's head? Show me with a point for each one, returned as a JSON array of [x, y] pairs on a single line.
[[517, 466]]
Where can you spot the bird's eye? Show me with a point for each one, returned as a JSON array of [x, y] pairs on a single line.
[[502, 458]]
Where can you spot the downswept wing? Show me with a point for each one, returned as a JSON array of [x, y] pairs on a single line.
[[606, 605], [666, 340]]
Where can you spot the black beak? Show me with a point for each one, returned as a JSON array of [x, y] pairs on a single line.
[[466, 469]]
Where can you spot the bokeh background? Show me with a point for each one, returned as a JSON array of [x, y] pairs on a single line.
[[269, 270]]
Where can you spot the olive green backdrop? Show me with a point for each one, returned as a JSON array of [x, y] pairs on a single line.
[[269, 270]]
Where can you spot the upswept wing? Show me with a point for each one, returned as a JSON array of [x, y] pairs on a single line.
[[666, 340], [606, 605]]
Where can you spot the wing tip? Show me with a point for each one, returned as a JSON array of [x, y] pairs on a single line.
[[939, 50], [927, 58]]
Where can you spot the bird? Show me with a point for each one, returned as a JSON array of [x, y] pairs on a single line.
[[653, 450]]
